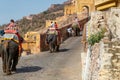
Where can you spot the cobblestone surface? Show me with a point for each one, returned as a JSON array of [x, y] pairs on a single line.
[[64, 65]]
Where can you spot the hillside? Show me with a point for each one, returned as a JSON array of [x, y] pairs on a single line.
[[35, 22]]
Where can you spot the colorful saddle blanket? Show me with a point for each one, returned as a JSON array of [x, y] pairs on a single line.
[[10, 31], [52, 31], [11, 36]]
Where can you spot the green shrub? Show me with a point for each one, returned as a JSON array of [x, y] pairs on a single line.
[[95, 38]]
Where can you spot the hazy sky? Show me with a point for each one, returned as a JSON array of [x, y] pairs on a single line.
[[16, 9]]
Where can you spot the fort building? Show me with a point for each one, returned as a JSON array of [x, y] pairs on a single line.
[[106, 4], [80, 4], [69, 8], [77, 6]]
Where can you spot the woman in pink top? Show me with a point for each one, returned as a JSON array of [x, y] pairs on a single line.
[[11, 24]]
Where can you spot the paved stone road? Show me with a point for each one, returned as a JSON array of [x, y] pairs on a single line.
[[64, 65]]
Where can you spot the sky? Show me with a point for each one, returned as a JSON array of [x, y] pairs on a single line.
[[16, 9]]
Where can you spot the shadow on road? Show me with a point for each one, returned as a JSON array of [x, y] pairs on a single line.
[[28, 69], [63, 50]]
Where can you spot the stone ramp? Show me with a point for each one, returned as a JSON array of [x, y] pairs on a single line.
[[64, 65]]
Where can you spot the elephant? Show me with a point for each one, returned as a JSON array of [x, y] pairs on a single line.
[[76, 29], [9, 50], [52, 41]]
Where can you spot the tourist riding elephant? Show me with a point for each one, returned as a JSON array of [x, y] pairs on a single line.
[[9, 51], [51, 39]]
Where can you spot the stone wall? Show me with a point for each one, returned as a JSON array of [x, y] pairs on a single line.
[[110, 61], [69, 9], [97, 22], [113, 22], [92, 63], [103, 59], [108, 19]]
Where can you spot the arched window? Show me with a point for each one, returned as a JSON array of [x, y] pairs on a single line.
[[85, 10]]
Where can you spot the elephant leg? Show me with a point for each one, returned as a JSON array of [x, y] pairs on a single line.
[[4, 68], [3, 63], [50, 47], [57, 47], [53, 47], [78, 31], [55, 42], [15, 62], [8, 68]]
